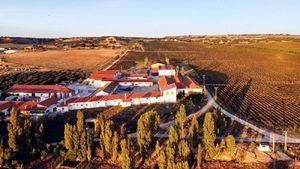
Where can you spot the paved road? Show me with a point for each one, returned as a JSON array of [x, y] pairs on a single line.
[[268, 136]]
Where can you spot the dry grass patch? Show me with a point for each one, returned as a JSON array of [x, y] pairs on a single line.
[[87, 60]]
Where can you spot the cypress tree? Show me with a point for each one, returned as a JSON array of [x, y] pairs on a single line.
[[101, 129], [148, 125], [230, 143], [14, 131], [194, 130], [1, 152], [162, 164], [222, 145], [173, 136], [209, 135], [170, 154], [83, 146], [146, 62], [182, 71], [180, 119], [183, 150], [199, 156], [108, 134], [127, 158], [80, 122], [89, 141], [115, 144], [167, 60]]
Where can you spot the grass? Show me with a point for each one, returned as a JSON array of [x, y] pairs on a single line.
[[86, 60]]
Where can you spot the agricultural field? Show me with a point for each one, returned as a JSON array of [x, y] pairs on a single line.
[[260, 82], [86, 60], [40, 77]]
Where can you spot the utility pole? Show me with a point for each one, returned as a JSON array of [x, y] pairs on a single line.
[[216, 92], [285, 140]]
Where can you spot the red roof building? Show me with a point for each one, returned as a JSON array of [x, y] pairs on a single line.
[[40, 89], [103, 75]]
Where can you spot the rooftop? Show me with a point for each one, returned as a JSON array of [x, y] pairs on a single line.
[[40, 89]]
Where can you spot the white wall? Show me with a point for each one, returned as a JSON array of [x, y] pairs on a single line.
[[166, 72], [170, 95]]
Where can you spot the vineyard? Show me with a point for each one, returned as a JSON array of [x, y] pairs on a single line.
[[41, 77], [261, 84]]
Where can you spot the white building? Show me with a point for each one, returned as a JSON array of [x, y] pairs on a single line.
[[166, 70], [42, 92]]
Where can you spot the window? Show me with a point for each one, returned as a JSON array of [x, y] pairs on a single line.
[[167, 93]]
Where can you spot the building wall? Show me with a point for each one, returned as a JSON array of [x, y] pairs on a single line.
[[166, 72], [170, 95]]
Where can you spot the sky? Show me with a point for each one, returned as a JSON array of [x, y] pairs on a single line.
[[147, 18]]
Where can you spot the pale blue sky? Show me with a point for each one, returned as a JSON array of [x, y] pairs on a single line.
[[150, 18]]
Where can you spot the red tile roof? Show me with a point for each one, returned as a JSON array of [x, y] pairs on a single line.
[[28, 105], [166, 67], [5, 105], [107, 75], [133, 80], [40, 89], [109, 88], [49, 102], [144, 75], [182, 82]]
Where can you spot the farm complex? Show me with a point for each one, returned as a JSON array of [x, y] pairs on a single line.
[[102, 89]]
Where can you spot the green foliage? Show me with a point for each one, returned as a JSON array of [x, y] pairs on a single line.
[[90, 147], [146, 62], [162, 164], [252, 147], [173, 136], [230, 143], [209, 135], [222, 145], [127, 158], [77, 140], [14, 131], [148, 125], [199, 156], [108, 135], [167, 60], [182, 71], [182, 165], [180, 119], [115, 144], [170, 154], [194, 131], [1, 152], [183, 150], [100, 128]]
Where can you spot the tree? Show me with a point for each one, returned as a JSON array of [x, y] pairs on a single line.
[[194, 130], [127, 158], [146, 62], [182, 71], [177, 70], [170, 154], [209, 135], [108, 135], [101, 130], [1, 152], [115, 144], [148, 125], [230, 143], [173, 136], [89, 141], [222, 145], [220, 120], [167, 60], [83, 146], [180, 119], [162, 164], [199, 156], [14, 131], [183, 150]]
